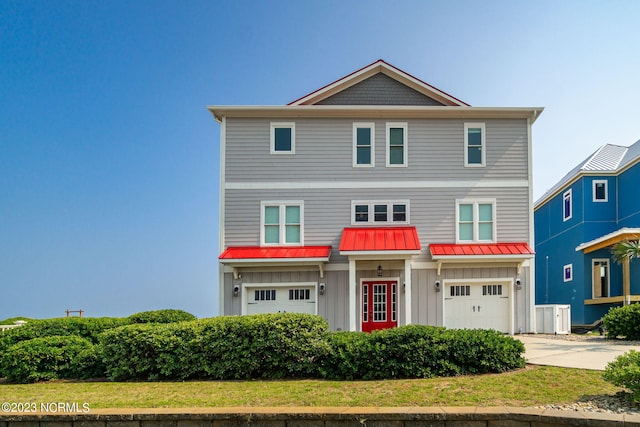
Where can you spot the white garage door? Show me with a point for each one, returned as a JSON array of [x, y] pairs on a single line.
[[478, 305], [281, 299]]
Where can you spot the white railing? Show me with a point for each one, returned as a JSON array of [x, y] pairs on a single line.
[[15, 325]]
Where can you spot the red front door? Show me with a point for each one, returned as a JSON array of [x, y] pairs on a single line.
[[379, 305]]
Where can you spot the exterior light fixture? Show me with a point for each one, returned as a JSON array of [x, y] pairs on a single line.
[[322, 288], [236, 290], [379, 271]]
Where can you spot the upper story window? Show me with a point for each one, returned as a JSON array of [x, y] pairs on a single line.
[[283, 138], [475, 221], [568, 272], [363, 144], [600, 193], [281, 223], [567, 209], [378, 212], [396, 144], [474, 144]]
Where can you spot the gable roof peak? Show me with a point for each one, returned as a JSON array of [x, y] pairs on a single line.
[[377, 67]]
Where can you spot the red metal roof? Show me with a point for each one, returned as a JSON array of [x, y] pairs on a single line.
[[481, 249], [275, 252], [380, 239]]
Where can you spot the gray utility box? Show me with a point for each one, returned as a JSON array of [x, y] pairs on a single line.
[[553, 319]]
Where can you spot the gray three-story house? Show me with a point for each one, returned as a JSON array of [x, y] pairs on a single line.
[[378, 201]]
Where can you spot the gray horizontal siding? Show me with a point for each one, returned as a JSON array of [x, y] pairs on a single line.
[[324, 151], [379, 89], [328, 211]]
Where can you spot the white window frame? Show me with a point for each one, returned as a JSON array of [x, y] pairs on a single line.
[[593, 285], [282, 125], [282, 222], [564, 271], [483, 146], [372, 127], [371, 211], [405, 127], [606, 190], [476, 219], [567, 195]]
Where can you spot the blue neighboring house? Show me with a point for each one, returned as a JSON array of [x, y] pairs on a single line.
[[577, 222]]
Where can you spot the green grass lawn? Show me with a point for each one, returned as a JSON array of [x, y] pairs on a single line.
[[531, 386]]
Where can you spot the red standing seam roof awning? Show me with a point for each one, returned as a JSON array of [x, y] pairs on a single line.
[[247, 254], [480, 250], [379, 240]]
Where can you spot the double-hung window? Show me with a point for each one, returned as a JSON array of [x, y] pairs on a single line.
[[600, 190], [283, 138], [379, 212], [363, 144], [567, 208], [475, 221], [474, 145], [396, 144], [281, 223]]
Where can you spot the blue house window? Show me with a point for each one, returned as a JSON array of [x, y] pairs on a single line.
[[567, 211], [600, 191], [568, 272]]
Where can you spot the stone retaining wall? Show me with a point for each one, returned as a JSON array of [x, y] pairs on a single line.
[[321, 417]]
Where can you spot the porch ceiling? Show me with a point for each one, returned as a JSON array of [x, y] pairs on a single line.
[[610, 239]]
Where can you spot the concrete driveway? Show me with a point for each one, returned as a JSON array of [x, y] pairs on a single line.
[[591, 352]]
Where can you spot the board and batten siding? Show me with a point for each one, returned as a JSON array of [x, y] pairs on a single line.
[[426, 303], [328, 211], [324, 151]]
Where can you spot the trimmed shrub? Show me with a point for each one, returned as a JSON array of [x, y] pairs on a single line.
[[84, 327], [161, 316], [283, 345], [623, 322], [624, 371], [416, 351], [48, 358]]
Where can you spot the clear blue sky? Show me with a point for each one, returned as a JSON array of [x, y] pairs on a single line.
[[109, 158]]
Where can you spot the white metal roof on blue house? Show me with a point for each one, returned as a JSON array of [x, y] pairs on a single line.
[[608, 159]]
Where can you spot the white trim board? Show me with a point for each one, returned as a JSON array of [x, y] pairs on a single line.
[[311, 185]]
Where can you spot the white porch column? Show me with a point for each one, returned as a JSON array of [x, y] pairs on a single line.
[[407, 292], [352, 295]]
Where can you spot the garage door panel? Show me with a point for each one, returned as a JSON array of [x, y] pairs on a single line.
[[478, 305], [281, 299]]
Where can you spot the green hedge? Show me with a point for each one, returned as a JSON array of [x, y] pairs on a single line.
[[623, 322], [260, 346], [84, 327], [624, 371], [52, 357], [161, 316], [419, 352]]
